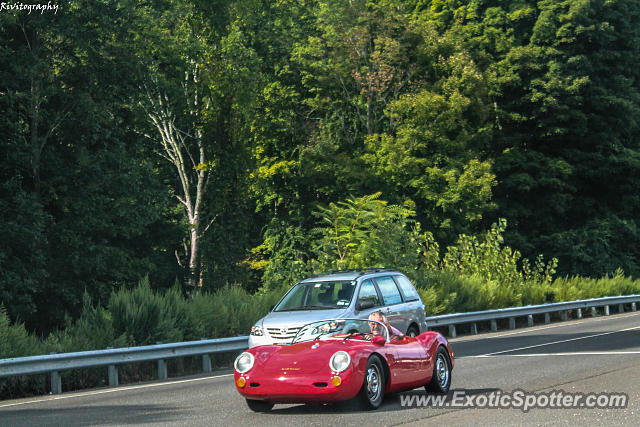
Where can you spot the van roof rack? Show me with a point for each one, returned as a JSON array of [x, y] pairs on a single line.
[[360, 271]]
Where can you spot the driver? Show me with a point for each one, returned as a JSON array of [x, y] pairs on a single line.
[[376, 328]]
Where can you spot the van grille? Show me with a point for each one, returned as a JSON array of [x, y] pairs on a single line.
[[285, 334]]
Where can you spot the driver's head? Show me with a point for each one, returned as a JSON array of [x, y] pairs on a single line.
[[376, 328]]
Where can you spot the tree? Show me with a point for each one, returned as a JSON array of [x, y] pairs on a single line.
[[176, 98], [78, 199], [567, 153]]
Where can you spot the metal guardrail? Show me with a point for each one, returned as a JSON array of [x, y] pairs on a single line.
[[54, 363], [512, 313]]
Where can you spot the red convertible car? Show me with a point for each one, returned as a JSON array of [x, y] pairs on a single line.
[[341, 359]]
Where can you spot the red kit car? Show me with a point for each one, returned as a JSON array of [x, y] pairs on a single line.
[[341, 359]]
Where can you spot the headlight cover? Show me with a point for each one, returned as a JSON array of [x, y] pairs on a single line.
[[340, 361], [244, 362], [257, 331]]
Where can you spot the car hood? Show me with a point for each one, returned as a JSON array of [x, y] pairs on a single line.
[[289, 319], [301, 358]]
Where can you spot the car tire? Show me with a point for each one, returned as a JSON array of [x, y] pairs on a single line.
[[372, 391], [259, 405], [413, 331], [441, 378]]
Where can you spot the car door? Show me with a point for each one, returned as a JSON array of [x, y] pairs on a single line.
[[393, 304], [411, 367]]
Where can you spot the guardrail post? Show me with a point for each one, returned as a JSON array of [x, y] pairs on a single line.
[[494, 325], [56, 383], [563, 315], [579, 313], [512, 323], [620, 308], [530, 320], [206, 363], [593, 312], [162, 369], [633, 306], [547, 318], [113, 375], [452, 331], [606, 310]]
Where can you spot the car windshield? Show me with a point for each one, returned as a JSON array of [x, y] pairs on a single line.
[[341, 329], [318, 296]]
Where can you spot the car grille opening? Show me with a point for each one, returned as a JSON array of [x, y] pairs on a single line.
[[320, 384], [254, 384], [286, 334]]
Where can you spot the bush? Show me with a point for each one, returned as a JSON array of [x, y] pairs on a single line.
[[230, 311], [144, 317], [92, 331], [15, 341]]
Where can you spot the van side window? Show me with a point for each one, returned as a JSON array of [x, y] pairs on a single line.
[[368, 293], [389, 290], [409, 292]]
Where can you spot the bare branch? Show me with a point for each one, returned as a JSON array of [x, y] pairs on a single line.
[[209, 225], [178, 258], [181, 200]]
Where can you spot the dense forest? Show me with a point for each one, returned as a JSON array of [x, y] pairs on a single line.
[[217, 143]]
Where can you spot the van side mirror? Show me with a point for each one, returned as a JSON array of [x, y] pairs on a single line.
[[363, 305]]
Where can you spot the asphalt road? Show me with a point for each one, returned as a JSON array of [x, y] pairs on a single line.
[[581, 357]]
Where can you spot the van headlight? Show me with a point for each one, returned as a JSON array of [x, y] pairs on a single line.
[[257, 331], [340, 361], [244, 362]]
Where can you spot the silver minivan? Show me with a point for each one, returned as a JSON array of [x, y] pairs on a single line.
[[342, 294]]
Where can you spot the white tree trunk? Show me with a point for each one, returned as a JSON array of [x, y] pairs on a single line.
[[185, 151]]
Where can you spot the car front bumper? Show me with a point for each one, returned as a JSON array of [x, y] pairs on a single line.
[[299, 388]]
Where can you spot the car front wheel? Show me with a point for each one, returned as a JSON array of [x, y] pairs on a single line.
[[372, 391]]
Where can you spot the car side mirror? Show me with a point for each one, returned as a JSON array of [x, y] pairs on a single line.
[[378, 340], [363, 305]]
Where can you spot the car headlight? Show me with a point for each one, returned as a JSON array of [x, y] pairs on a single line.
[[244, 362], [257, 330], [340, 361]]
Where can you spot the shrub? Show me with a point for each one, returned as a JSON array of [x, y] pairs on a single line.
[[15, 341], [230, 311], [145, 317]]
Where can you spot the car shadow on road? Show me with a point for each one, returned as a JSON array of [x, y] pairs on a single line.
[[392, 402]]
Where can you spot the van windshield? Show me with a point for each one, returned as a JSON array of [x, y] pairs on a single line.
[[318, 296]]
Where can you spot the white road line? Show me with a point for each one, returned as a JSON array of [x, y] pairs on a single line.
[[541, 328], [113, 390], [561, 341], [576, 353]]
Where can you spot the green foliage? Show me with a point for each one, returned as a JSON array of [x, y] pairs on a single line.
[[493, 261], [282, 258], [93, 330], [15, 341], [573, 288], [230, 311], [367, 232], [146, 317], [468, 110]]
